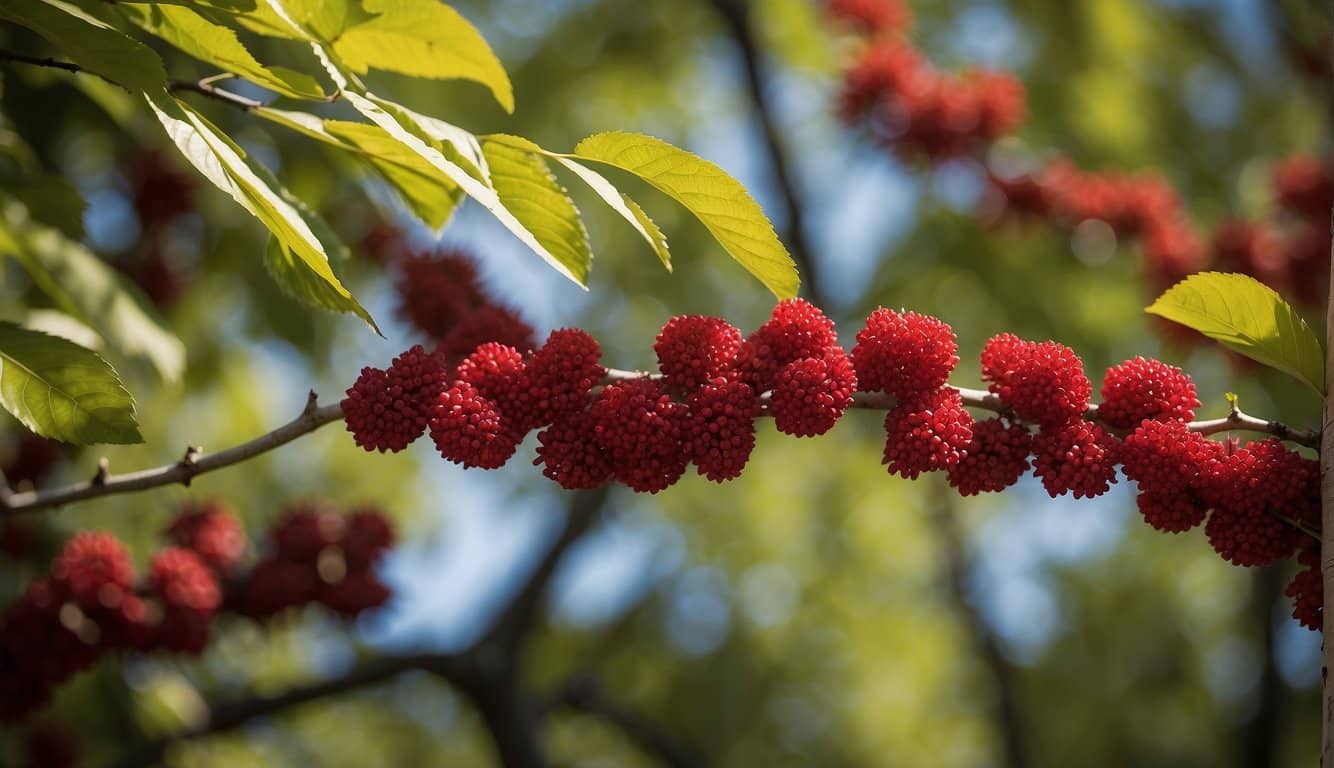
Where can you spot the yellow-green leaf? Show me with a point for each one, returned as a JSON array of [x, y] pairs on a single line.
[[218, 46], [472, 186], [423, 38], [226, 165], [62, 391], [1249, 317], [707, 191], [426, 191], [527, 188], [83, 286], [620, 202], [90, 42]]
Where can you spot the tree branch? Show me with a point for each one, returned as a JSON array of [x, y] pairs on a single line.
[[456, 668], [515, 621], [583, 693], [203, 87], [190, 466], [736, 15], [1007, 711]]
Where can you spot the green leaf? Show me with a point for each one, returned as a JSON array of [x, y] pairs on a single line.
[[1246, 316], [449, 165], [227, 167], [219, 46], [62, 391], [426, 191], [91, 43], [83, 286], [423, 38], [49, 199], [715, 198], [527, 188]]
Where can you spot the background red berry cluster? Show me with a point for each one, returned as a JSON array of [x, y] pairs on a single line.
[[92, 601], [890, 89]]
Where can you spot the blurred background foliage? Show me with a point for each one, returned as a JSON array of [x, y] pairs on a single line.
[[816, 611]]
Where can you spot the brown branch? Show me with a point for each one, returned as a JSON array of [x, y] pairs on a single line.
[[736, 14], [583, 693], [194, 463], [203, 87], [457, 668], [514, 622], [1007, 710]]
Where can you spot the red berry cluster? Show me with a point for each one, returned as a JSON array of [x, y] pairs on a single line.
[[160, 192], [892, 89], [91, 601], [919, 111], [645, 430], [440, 295], [317, 555]]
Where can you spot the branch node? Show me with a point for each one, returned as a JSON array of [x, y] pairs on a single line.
[[312, 403], [102, 474]]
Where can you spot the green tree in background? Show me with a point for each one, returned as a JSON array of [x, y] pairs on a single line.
[[207, 209]]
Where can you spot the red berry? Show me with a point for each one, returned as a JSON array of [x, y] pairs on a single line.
[[904, 353], [190, 594], [498, 372], [387, 410], [1175, 470], [305, 530], [1142, 389], [1304, 184], [1079, 457], [467, 429], [27, 459], [882, 70], [570, 454], [50, 744], [722, 428], [797, 329], [1043, 382], [437, 291], [356, 592], [490, 323], [927, 434], [159, 190], [1253, 488], [91, 567], [211, 531], [562, 373], [811, 394], [1307, 591], [368, 534], [276, 585], [642, 430], [995, 459], [693, 349]]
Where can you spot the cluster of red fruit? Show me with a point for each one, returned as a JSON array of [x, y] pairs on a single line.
[[891, 88], [917, 110], [160, 192], [91, 602], [645, 430]]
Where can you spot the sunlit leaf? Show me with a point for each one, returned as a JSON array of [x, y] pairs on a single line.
[[90, 42], [714, 197], [423, 38], [527, 188], [473, 187], [83, 286], [218, 46], [227, 167], [1248, 317], [63, 391]]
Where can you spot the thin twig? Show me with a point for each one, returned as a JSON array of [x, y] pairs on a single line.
[[456, 668], [312, 418], [736, 14], [203, 86], [583, 693]]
